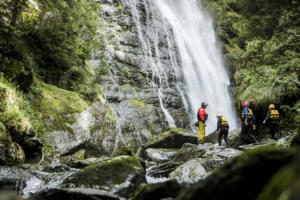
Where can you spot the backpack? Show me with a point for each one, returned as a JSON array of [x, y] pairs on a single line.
[[224, 122], [274, 114]]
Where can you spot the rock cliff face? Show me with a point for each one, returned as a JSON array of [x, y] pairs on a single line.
[[144, 98]]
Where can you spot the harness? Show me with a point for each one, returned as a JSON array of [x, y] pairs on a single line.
[[250, 114]]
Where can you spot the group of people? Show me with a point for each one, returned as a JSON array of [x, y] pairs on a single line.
[[248, 124]]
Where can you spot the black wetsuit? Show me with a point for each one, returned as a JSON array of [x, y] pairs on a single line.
[[274, 125], [223, 132]]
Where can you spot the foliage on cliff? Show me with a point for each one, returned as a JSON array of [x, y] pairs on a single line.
[[45, 38], [44, 73], [262, 45]]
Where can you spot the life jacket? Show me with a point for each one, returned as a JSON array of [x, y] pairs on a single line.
[[224, 122], [250, 114], [274, 114], [202, 111]]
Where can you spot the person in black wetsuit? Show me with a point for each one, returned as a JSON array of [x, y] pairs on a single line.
[[273, 118], [222, 129]]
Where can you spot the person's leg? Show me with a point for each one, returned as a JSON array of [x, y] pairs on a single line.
[[276, 131], [226, 138], [272, 130], [201, 132], [250, 131], [243, 134], [220, 138]]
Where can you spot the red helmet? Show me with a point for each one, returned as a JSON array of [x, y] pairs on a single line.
[[245, 104]]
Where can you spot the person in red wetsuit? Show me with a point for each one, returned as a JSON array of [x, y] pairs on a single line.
[[202, 117]]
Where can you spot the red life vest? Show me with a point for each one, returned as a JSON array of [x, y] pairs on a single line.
[[202, 114]]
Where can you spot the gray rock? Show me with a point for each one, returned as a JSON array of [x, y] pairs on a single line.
[[74, 193], [173, 138], [191, 171], [162, 170], [189, 151], [161, 155], [118, 175]]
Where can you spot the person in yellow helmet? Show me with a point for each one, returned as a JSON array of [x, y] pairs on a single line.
[[222, 129], [273, 118]]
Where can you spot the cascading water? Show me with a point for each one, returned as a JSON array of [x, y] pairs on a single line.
[[196, 62]]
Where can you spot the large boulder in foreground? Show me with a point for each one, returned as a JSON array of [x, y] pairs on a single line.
[[285, 183], [243, 177], [118, 175], [74, 193], [163, 190]]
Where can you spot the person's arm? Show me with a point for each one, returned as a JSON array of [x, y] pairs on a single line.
[[219, 124], [267, 117], [246, 113], [253, 118], [246, 116]]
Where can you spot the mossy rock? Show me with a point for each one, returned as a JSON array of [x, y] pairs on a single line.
[[126, 151], [243, 177], [74, 194], [56, 105], [119, 175], [284, 184], [157, 191], [174, 138], [13, 118], [19, 129], [14, 154], [78, 155]]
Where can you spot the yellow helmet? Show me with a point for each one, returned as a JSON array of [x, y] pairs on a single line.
[[219, 115], [271, 106]]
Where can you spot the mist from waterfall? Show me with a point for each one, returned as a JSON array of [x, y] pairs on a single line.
[[196, 60]]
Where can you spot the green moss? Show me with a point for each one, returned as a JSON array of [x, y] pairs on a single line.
[[127, 85], [126, 151], [109, 119], [138, 103], [279, 183], [113, 171], [58, 104], [120, 7]]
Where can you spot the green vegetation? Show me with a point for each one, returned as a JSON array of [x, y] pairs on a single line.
[[44, 74], [46, 39], [261, 41], [138, 103]]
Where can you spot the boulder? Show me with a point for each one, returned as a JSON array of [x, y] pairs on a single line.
[[161, 155], [246, 174], [157, 191], [162, 170], [284, 183], [233, 137], [190, 151], [74, 193], [174, 138], [189, 172], [14, 154], [118, 175]]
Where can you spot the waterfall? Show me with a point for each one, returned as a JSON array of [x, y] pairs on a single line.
[[195, 58]]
